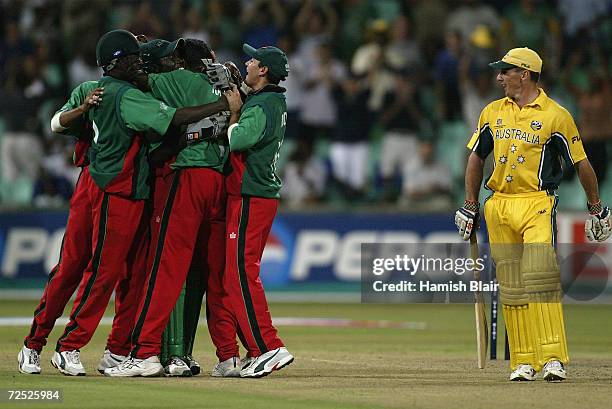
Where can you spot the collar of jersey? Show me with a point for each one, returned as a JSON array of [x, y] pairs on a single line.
[[540, 100], [270, 88]]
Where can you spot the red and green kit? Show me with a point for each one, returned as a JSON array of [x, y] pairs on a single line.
[[116, 191], [188, 230], [253, 191]]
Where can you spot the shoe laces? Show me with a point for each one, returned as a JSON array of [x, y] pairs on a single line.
[[554, 365], [34, 358], [129, 363], [74, 357], [177, 361]]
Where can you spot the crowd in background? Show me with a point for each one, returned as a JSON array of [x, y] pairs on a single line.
[[382, 95]]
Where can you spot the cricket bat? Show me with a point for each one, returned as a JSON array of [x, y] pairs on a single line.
[[482, 333]]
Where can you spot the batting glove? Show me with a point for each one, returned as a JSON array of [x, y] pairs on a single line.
[[209, 128], [466, 219], [598, 227], [219, 75]]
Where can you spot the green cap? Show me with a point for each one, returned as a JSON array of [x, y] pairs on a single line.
[[157, 49], [271, 57], [115, 44]]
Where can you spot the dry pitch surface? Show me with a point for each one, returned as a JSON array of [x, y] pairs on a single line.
[[348, 367]]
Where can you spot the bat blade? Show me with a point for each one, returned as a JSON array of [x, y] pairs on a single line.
[[482, 333]]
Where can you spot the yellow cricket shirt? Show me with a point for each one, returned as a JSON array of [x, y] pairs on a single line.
[[527, 144]]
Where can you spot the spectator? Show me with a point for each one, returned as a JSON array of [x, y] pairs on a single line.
[[477, 90], [468, 16], [294, 84], [22, 148], [263, 21], [595, 121], [193, 26], [314, 25], [355, 15], [429, 186], [400, 121], [367, 62], [403, 52], [318, 115], [349, 148], [447, 77], [304, 177]]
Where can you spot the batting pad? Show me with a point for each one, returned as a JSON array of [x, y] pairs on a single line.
[[507, 259], [194, 293], [541, 272], [547, 326], [520, 338], [173, 341]]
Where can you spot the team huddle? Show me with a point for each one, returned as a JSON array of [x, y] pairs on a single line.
[[176, 198]]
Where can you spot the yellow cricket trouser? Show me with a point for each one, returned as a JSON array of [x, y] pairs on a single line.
[[522, 230]]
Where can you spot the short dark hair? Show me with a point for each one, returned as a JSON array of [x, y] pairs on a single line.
[[271, 78], [534, 76], [195, 50]]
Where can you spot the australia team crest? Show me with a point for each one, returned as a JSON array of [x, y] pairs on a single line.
[[536, 125]]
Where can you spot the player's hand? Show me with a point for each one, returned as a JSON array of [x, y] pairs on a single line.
[[235, 74], [92, 99], [466, 219], [219, 75], [233, 99], [209, 128], [598, 227]]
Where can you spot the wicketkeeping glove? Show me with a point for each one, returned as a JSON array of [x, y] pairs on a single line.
[[209, 128], [598, 227], [236, 76], [219, 75], [466, 219]]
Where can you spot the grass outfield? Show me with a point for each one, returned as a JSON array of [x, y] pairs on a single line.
[[434, 367]]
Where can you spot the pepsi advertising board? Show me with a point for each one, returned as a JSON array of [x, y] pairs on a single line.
[[302, 247]]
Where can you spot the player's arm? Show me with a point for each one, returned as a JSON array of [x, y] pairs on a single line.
[[185, 80], [187, 115], [481, 145], [473, 177], [65, 118], [598, 226], [248, 130], [588, 180]]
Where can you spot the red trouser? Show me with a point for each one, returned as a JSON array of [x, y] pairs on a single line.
[[194, 212], [128, 292], [66, 275], [249, 220], [116, 223]]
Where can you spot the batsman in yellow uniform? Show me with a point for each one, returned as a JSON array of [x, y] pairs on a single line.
[[529, 135]]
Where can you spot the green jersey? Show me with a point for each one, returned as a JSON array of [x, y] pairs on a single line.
[[77, 97], [80, 128], [255, 142], [184, 88], [119, 152]]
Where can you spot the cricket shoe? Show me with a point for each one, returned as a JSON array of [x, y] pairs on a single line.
[[29, 361], [230, 368], [246, 361], [523, 373], [110, 360], [194, 366], [554, 371], [137, 367], [68, 363], [177, 367], [264, 364]]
